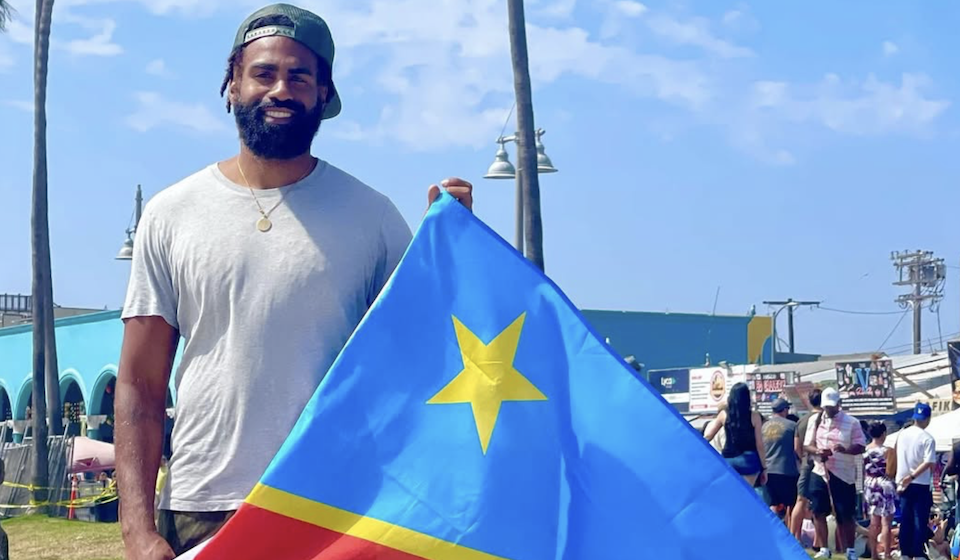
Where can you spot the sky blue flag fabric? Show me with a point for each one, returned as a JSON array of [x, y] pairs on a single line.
[[475, 405]]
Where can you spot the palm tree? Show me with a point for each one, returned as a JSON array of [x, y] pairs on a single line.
[[45, 369], [6, 14], [526, 143]]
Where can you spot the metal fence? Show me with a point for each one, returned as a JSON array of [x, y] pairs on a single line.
[[16, 492]]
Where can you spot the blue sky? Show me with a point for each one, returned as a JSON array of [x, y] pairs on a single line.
[[772, 149]]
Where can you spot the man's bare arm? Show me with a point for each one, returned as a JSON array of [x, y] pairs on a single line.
[[146, 358]]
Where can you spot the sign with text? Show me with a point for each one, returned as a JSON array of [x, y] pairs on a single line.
[[766, 388], [798, 394], [939, 407], [711, 386], [866, 385], [953, 350], [674, 385]]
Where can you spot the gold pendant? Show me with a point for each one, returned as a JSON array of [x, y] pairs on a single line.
[[264, 225]]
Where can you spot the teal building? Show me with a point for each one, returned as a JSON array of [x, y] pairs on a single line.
[[88, 352]]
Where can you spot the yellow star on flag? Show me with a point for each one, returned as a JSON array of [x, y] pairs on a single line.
[[488, 377]]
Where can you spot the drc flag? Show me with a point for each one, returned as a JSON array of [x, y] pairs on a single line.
[[474, 415]]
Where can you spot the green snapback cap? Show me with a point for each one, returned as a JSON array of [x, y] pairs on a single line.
[[308, 28]]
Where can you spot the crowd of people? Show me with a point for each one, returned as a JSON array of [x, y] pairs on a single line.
[[834, 481]]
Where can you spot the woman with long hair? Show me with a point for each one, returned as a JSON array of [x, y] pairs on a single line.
[[743, 445], [879, 490]]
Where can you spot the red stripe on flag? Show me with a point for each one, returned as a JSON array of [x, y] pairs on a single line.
[[257, 534]]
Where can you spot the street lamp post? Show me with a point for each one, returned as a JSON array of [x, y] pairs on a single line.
[[773, 334], [503, 169], [126, 252]]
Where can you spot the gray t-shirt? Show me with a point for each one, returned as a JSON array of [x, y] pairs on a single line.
[[262, 315], [778, 434]]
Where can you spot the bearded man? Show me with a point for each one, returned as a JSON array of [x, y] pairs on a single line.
[[264, 264]]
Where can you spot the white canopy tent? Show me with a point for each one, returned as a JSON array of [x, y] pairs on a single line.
[[944, 430]]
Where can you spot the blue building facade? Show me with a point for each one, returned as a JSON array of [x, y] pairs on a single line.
[[88, 352], [679, 340]]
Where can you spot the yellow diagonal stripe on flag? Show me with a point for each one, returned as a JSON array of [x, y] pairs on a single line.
[[366, 528]]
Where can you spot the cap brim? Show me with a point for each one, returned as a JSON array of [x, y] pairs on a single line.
[[333, 106], [830, 402]]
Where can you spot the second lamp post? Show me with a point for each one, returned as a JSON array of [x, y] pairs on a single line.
[[503, 169]]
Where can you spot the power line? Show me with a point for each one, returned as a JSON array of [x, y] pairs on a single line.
[[907, 346], [939, 328], [894, 330], [851, 312], [790, 305]]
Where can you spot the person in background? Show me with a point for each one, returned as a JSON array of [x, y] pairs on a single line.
[[835, 439], [951, 472], [879, 490], [781, 460], [916, 454], [743, 445], [802, 506]]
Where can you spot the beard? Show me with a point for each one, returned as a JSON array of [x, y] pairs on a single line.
[[278, 141]]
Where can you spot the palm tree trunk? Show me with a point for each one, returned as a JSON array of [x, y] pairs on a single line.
[[526, 136], [43, 341]]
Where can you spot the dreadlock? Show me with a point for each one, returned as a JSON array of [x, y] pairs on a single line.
[[324, 72]]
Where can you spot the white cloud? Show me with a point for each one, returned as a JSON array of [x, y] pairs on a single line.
[[20, 30], [560, 9], [775, 113], [629, 8], [446, 68], [159, 68], [100, 44], [694, 32], [890, 48], [25, 106], [740, 20], [155, 111], [6, 60], [867, 107]]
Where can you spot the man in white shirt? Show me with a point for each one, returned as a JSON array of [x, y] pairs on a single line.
[[916, 455]]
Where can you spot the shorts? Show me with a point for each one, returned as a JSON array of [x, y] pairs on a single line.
[[844, 498], [781, 489], [184, 530], [803, 483], [746, 464]]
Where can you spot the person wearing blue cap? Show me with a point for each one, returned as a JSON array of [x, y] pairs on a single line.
[[916, 456], [264, 264]]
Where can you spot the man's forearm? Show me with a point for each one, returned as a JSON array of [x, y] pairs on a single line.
[[139, 446]]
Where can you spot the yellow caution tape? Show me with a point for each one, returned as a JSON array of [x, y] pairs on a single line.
[[105, 497], [29, 487]]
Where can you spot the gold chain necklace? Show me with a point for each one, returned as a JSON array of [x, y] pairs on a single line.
[[264, 224]]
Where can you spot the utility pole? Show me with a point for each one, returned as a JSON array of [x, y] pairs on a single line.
[[791, 305], [927, 276]]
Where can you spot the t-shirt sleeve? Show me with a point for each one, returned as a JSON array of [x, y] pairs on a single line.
[[929, 450], [858, 437], [395, 237], [811, 428], [150, 291]]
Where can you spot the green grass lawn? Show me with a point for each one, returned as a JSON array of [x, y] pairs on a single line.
[[43, 538]]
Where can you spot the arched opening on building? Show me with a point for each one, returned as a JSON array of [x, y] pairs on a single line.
[[101, 422], [25, 406], [6, 414], [73, 407], [105, 432]]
